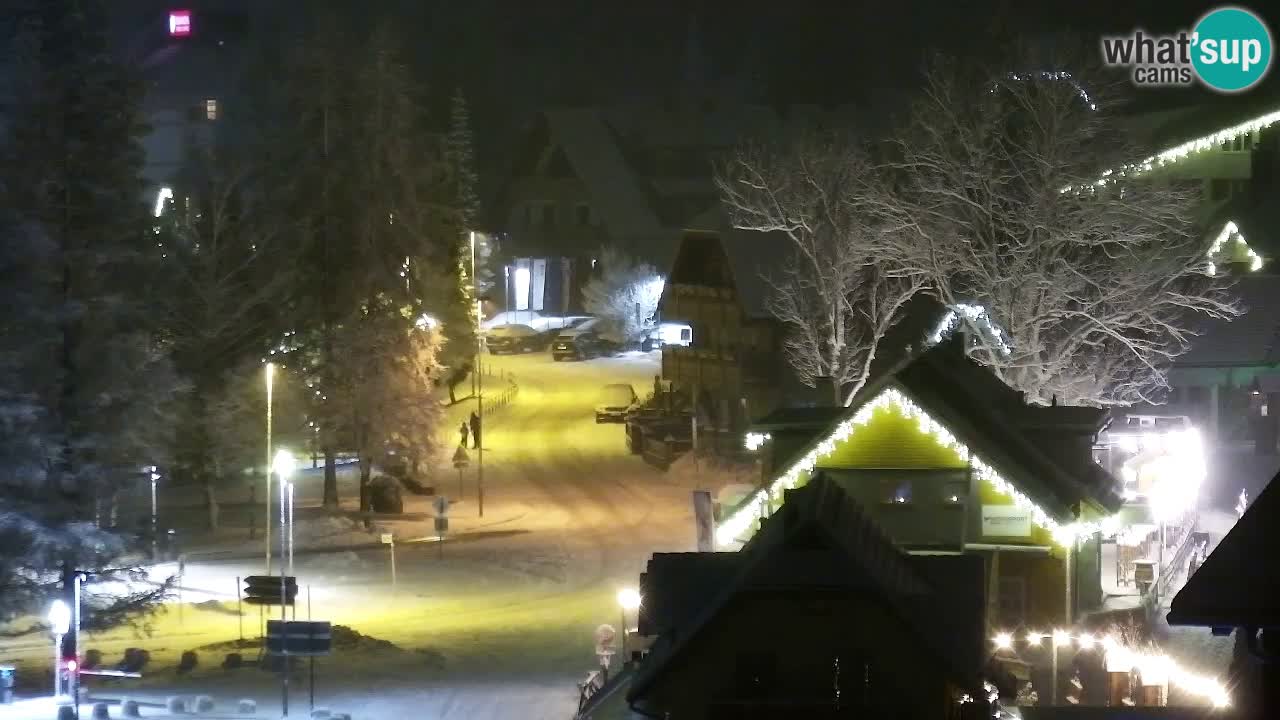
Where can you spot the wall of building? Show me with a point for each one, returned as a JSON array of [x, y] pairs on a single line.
[[733, 359], [800, 634]]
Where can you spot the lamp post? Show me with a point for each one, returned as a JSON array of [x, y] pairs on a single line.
[[1060, 638], [475, 291], [283, 465], [59, 623], [270, 371], [628, 600], [154, 539]]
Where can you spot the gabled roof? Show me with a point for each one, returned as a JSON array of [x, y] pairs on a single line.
[[1041, 456], [750, 258], [593, 151], [866, 560], [1239, 583]]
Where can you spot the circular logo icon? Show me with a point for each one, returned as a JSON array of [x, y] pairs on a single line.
[[1231, 49]]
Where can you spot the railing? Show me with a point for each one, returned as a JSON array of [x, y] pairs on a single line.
[[500, 400], [1179, 560]]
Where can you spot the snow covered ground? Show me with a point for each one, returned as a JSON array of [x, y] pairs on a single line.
[[500, 626]]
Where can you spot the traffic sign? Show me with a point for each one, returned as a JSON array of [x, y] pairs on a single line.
[[460, 459], [441, 505], [299, 637], [388, 539], [265, 590], [442, 525]]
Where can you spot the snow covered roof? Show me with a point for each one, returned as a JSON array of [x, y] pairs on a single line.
[[851, 553], [727, 258], [1237, 586], [592, 149], [1046, 452]]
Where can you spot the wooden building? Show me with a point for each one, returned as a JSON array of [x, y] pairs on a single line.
[[947, 459], [733, 370], [819, 616]]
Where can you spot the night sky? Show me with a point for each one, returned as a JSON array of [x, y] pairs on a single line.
[[513, 58]]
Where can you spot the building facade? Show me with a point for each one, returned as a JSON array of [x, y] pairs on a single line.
[[819, 616], [946, 459]]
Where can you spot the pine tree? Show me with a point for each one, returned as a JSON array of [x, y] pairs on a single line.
[[361, 195], [461, 322], [85, 379]]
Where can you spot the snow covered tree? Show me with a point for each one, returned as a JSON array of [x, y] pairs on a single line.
[[1094, 287], [362, 203], [460, 321], [219, 316], [841, 291], [84, 383], [624, 295]]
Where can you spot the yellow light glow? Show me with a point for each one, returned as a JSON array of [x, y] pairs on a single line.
[[628, 598], [1003, 641], [1061, 638], [739, 522]]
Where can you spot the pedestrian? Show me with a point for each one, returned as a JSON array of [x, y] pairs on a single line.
[[475, 431], [462, 434]]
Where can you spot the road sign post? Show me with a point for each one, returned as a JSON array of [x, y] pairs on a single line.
[[389, 539], [441, 505], [460, 461]]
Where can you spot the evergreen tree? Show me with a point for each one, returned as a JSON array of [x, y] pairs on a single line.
[[84, 379], [460, 320], [361, 196]]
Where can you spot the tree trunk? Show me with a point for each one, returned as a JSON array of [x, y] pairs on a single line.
[[366, 502], [330, 478], [837, 393], [211, 500]]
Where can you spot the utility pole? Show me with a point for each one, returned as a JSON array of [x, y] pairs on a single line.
[[475, 291], [266, 528]]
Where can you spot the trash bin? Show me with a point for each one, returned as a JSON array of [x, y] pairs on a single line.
[[6, 684]]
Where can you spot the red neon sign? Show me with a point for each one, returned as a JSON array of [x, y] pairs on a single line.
[[179, 23]]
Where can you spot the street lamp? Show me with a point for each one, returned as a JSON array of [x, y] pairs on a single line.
[[283, 465], [628, 599], [475, 292], [151, 470], [59, 623], [269, 372]]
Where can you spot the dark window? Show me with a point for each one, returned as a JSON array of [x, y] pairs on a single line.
[[895, 492], [583, 214], [955, 493], [548, 215], [528, 216]]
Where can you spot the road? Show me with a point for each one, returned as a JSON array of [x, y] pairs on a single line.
[[502, 625]]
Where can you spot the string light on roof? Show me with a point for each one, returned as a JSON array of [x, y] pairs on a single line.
[[740, 521], [1182, 150]]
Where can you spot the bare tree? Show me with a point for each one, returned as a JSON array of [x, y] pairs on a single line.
[[1093, 285], [842, 290], [624, 295]]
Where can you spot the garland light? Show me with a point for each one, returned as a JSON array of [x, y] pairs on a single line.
[[737, 524]]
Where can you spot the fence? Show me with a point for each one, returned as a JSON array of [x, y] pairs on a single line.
[[493, 402]]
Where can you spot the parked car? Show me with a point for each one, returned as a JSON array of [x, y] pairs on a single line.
[[668, 333], [515, 339], [614, 402], [579, 342]]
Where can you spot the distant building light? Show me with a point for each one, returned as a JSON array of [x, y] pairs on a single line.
[[164, 195], [179, 23], [211, 109]]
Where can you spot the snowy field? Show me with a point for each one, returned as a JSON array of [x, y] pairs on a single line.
[[499, 626]]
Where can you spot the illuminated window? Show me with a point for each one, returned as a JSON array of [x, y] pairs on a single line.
[[895, 492], [179, 23], [954, 493], [211, 109]]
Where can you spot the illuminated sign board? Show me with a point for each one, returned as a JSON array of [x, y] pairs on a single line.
[[179, 23]]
